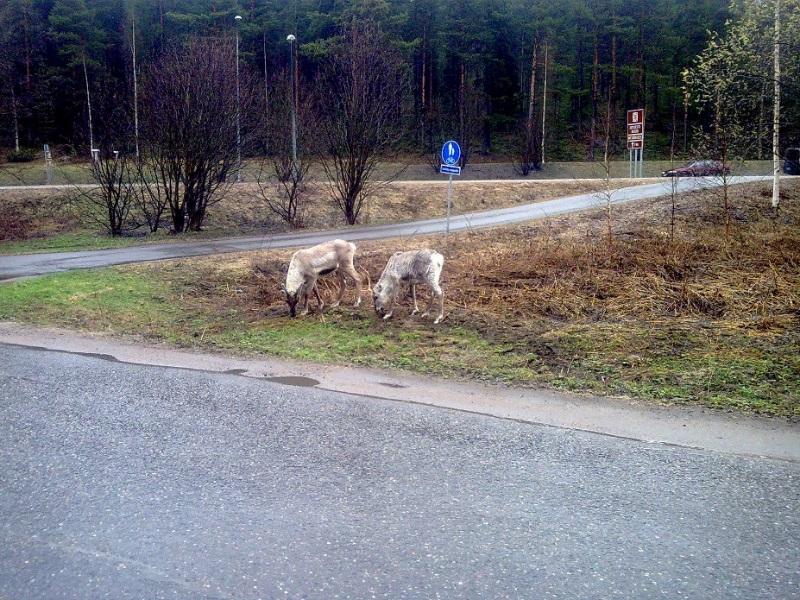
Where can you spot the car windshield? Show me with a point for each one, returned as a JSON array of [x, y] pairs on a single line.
[[793, 154]]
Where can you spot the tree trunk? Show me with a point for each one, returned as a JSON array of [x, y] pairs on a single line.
[[89, 107], [423, 107], [266, 76], [462, 132], [760, 134], [776, 111], [16, 118], [544, 103], [532, 93], [685, 123], [595, 86]]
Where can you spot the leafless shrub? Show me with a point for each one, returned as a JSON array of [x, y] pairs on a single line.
[[190, 151], [360, 93], [283, 181], [111, 202]]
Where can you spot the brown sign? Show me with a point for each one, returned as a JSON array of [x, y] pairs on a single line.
[[635, 129]]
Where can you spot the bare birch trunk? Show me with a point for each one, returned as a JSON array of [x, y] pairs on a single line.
[[776, 111], [595, 83], [462, 92], [544, 101], [16, 118], [89, 107]]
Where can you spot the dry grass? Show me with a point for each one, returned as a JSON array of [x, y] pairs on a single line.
[[26, 214], [565, 268]]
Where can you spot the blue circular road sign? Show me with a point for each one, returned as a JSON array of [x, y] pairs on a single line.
[[451, 152]]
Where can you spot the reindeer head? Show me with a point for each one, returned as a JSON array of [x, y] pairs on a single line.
[[292, 299], [381, 296]]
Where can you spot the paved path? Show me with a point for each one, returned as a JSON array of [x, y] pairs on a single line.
[[124, 481], [37, 264]]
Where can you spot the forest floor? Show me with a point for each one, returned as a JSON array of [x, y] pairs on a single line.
[[61, 220], [708, 314]]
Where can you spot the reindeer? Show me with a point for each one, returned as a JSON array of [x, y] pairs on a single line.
[[309, 264], [409, 268]]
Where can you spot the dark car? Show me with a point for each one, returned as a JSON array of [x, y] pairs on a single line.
[[698, 168], [791, 161]]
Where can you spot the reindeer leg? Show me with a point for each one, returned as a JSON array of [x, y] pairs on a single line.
[[414, 299], [350, 270], [430, 303], [342, 288], [389, 314], [305, 305], [320, 303], [438, 292]]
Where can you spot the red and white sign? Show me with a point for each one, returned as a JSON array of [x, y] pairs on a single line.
[[635, 129]]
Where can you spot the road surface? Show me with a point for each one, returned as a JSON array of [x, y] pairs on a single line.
[[26, 265], [128, 481]]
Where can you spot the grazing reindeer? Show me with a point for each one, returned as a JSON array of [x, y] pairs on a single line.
[[409, 268], [306, 267]]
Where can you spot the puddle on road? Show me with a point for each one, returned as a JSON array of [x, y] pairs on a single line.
[[294, 380], [107, 357]]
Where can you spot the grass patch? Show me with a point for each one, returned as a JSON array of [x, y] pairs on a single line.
[[65, 242]]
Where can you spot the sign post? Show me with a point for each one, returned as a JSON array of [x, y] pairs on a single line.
[[451, 154], [635, 139], [48, 164]]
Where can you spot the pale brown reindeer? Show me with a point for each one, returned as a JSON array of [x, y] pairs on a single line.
[[409, 268], [309, 264]]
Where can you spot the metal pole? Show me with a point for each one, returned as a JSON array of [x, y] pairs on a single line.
[[641, 162], [449, 200], [630, 163], [292, 59], [135, 88], [238, 110]]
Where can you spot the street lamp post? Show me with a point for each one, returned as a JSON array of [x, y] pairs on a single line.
[[238, 19], [291, 39]]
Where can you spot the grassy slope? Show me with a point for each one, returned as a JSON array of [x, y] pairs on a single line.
[[40, 221], [709, 321]]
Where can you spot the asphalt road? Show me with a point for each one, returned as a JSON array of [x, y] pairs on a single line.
[[26, 265], [123, 481]]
